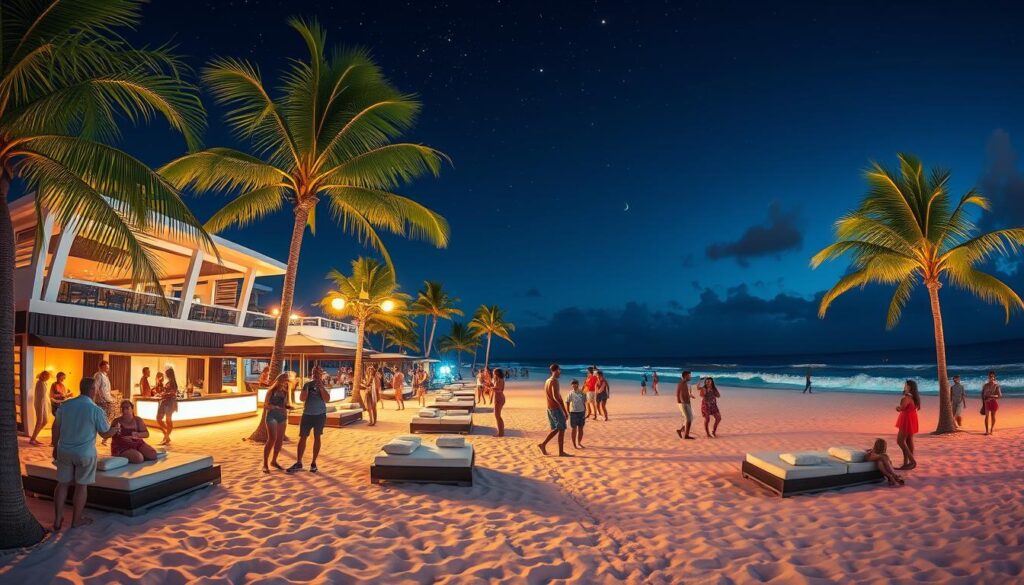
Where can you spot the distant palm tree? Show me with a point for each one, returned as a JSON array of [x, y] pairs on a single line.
[[327, 136], [460, 339], [490, 321], [433, 302], [368, 294], [68, 79], [403, 339], [908, 229]]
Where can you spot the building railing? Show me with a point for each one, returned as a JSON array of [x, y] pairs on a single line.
[[256, 320], [324, 322], [90, 294], [213, 314]]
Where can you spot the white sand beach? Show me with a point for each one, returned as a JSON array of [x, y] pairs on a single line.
[[638, 505]]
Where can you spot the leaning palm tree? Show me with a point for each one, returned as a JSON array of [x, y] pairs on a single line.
[[460, 339], [68, 79], [908, 230], [368, 295], [328, 135], [490, 321], [433, 302]]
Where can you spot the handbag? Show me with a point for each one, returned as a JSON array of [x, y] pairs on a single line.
[[982, 409]]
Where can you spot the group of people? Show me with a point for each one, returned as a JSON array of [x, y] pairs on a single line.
[[582, 403], [490, 386], [991, 392], [709, 396]]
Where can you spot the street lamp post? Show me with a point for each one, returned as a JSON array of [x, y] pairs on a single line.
[[360, 309]]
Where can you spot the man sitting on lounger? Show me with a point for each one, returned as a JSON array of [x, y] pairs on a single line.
[[75, 427], [557, 414]]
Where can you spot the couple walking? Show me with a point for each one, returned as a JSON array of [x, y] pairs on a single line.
[[709, 396]]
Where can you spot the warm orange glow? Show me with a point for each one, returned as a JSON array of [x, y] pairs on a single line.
[[337, 303], [275, 312], [387, 305]]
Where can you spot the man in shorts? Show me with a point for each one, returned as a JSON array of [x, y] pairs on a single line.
[[75, 427], [959, 396], [590, 390], [683, 397], [557, 414], [314, 399]]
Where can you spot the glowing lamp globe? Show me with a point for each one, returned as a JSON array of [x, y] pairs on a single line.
[[337, 303], [387, 305]]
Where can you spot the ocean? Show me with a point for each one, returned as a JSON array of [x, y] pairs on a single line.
[[874, 371]]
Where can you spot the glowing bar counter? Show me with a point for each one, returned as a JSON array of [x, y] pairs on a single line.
[[337, 393], [203, 410]]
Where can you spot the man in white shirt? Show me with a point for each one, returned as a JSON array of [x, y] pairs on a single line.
[[75, 427]]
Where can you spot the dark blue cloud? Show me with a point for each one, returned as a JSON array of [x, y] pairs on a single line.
[[779, 234]]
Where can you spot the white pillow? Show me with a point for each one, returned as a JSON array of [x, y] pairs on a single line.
[[454, 412], [396, 447], [428, 412], [451, 441], [409, 438], [801, 458], [848, 454], [107, 463]]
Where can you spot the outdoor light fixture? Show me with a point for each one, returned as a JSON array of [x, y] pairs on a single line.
[[387, 305], [275, 312], [337, 303]]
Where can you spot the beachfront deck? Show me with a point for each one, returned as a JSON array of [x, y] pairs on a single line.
[[637, 506]]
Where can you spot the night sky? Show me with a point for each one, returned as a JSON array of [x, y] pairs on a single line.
[[735, 133]]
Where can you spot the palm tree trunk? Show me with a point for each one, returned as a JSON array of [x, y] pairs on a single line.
[[487, 356], [946, 421], [476, 350], [430, 340], [357, 368], [18, 527], [285, 315]]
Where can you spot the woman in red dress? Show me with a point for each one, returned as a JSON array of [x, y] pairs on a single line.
[[128, 442], [907, 423]]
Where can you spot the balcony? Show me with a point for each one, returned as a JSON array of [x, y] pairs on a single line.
[[89, 294], [212, 314], [256, 320], [323, 322]]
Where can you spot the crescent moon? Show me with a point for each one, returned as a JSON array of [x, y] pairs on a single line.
[[627, 207]]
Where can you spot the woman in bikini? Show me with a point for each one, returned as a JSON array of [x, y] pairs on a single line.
[[709, 396], [497, 390], [369, 392], [129, 441], [276, 405], [906, 422]]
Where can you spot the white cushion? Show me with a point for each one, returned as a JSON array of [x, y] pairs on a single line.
[[803, 458], [429, 456], [429, 412], [396, 447], [107, 463], [451, 441], [770, 462], [410, 438], [345, 412], [848, 454], [133, 477], [331, 408], [457, 412], [861, 466]]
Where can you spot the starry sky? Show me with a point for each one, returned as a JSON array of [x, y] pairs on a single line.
[[734, 134]]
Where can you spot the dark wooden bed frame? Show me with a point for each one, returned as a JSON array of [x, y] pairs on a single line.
[[461, 476], [131, 503], [441, 429], [785, 488]]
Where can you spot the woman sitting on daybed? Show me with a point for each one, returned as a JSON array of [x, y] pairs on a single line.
[[128, 442]]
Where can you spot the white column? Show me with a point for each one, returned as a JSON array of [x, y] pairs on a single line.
[[39, 258], [188, 288], [244, 295], [60, 261]]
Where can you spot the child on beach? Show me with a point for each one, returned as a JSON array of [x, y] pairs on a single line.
[[577, 404], [877, 453]]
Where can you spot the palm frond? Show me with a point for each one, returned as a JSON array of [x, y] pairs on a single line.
[[222, 169], [987, 288], [395, 213], [386, 167], [899, 300], [246, 208]]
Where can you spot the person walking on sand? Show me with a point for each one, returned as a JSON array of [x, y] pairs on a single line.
[[498, 390], [314, 398], [39, 403], [906, 423], [557, 414], [991, 392], [643, 385], [603, 392], [576, 402], [398, 383], [590, 391], [654, 382], [959, 397], [683, 396], [481, 385], [709, 396], [807, 386], [75, 427]]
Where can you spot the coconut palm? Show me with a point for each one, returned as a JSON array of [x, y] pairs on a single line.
[[908, 229], [459, 339], [67, 81], [403, 339], [433, 302], [368, 295], [490, 321], [328, 135]]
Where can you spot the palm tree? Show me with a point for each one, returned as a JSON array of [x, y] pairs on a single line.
[[328, 136], [68, 79], [403, 339], [490, 321], [460, 339], [434, 302], [908, 230], [368, 295]]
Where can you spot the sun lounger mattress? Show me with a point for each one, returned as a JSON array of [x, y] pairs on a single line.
[[428, 456], [133, 477]]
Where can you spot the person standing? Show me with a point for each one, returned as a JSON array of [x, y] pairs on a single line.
[[959, 399], [398, 383], [557, 414], [991, 392], [603, 392], [104, 395], [654, 382], [906, 423], [683, 396], [807, 385], [643, 385], [481, 385], [168, 403], [144, 388], [419, 383], [58, 394], [369, 393], [576, 402], [314, 398], [39, 397], [75, 427], [709, 396], [498, 390], [276, 406], [590, 388]]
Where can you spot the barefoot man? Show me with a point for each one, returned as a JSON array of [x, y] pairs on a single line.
[[557, 414], [683, 397]]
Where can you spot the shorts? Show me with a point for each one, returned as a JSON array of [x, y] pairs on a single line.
[[577, 419], [77, 468], [591, 396], [312, 422], [166, 407], [687, 411], [602, 397], [277, 416], [958, 409], [556, 418], [991, 405]]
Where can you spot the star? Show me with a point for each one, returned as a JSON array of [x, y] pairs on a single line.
[[603, 21]]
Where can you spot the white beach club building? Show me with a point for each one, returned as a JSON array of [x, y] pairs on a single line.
[[73, 310]]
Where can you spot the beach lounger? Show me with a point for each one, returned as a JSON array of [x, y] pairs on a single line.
[[454, 404], [346, 414], [444, 422], [295, 416], [425, 463], [785, 479], [468, 393], [133, 488]]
